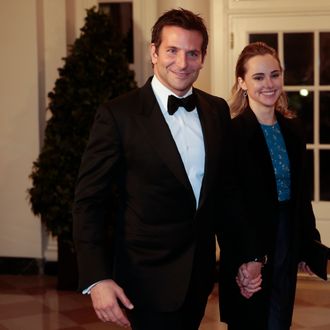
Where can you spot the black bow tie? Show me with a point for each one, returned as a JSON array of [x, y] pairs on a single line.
[[173, 103]]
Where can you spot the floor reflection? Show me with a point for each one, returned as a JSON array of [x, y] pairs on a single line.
[[32, 302]]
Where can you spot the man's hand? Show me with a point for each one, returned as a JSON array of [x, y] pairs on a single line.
[[249, 278], [105, 295]]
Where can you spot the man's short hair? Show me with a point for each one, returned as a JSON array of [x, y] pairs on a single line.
[[181, 18]]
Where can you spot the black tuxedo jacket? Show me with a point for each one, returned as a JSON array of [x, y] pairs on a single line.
[[161, 237]]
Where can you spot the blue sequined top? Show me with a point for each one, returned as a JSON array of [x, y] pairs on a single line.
[[280, 160]]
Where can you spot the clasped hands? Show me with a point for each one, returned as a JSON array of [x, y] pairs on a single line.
[[249, 278], [106, 294]]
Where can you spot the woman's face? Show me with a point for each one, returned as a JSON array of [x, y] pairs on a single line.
[[263, 82]]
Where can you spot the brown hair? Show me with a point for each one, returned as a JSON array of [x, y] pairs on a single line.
[[238, 101], [182, 18]]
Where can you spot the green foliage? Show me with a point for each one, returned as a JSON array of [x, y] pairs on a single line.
[[96, 70]]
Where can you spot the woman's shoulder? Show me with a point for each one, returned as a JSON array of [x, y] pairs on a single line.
[[295, 124], [246, 118]]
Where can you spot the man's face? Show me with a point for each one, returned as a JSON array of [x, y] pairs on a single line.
[[178, 60]]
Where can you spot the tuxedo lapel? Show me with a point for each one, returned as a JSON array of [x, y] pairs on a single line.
[[212, 144], [152, 121]]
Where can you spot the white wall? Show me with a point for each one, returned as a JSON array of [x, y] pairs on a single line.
[[19, 127], [33, 42]]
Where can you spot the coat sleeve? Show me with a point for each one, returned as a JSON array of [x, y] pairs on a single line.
[[307, 217], [237, 236], [93, 196]]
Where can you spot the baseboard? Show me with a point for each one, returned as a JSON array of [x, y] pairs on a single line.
[[26, 266]]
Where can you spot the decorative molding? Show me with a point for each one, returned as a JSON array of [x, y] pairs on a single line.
[[277, 5], [50, 251], [21, 266]]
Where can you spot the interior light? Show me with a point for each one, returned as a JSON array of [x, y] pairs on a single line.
[[303, 92]]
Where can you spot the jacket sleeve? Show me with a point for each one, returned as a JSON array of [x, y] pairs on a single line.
[[93, 196]]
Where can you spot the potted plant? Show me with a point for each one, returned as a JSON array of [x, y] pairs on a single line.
[[95, 70]]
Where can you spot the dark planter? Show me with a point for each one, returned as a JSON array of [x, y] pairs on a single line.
[[67, 270]]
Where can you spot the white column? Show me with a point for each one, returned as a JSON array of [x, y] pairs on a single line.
[[144, 16], [219, 47], [75, 16], [52, 37]]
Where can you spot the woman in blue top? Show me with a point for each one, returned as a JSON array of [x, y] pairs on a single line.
[[271, 165]]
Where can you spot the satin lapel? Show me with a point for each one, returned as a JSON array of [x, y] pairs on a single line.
[[210, 127], [153, 123]]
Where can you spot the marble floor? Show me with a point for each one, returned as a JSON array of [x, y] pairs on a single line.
[[33, 303]]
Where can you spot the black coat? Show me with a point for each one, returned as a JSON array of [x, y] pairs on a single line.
[[259, 193]]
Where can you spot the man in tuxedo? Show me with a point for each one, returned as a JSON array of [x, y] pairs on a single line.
[[167, 147]]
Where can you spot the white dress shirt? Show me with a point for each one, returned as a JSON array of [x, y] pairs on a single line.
[[187, 133]]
